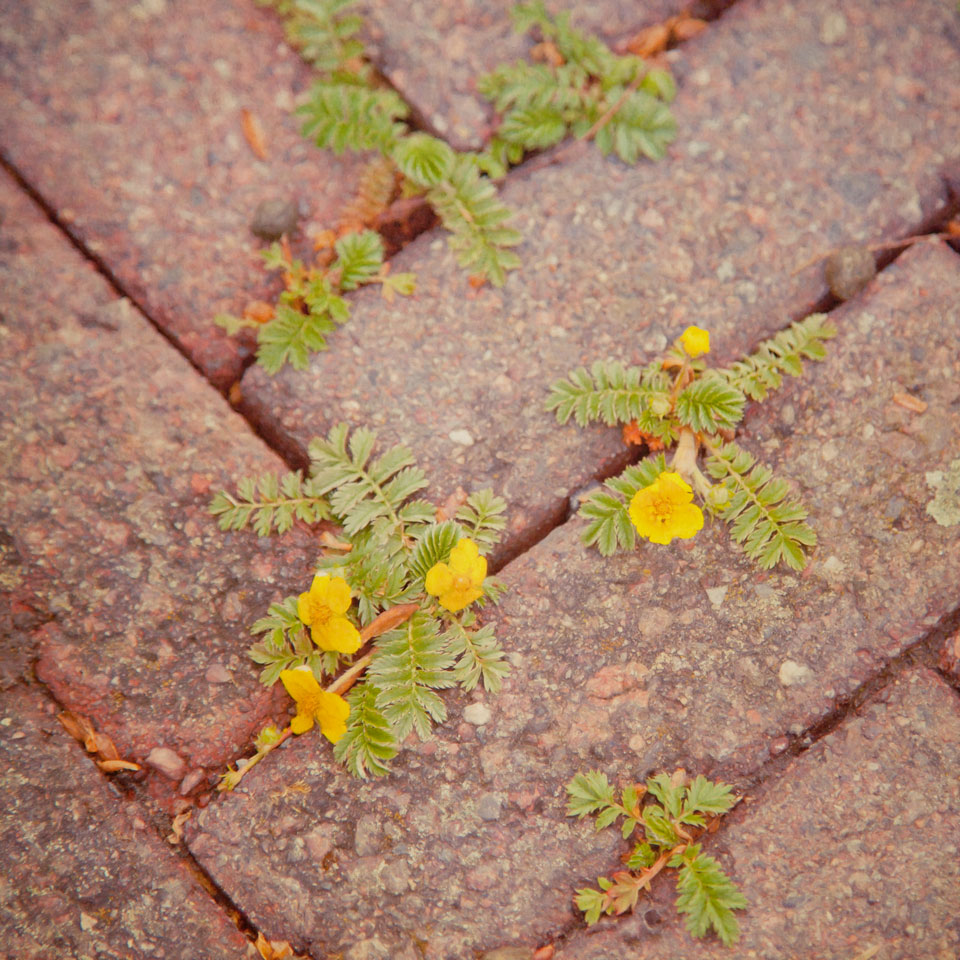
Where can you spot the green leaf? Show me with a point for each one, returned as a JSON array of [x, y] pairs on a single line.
[[345, 116], [589, 793], [408, 665], [468, 206], [423, 159], [706, 896], [643, 126], [705, 796], [534, 127], [658, 827], [709, 405], [669, 795], [270, 505], [290, 337], [769, 527], [434, 547], [479, 657], [592, 903], [368, 746], [482, 517], [643, 856], [359, 258], [762, 371], [233, 325]]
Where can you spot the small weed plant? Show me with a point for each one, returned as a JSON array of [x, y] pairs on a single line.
[[582, 88], [393, 609], [666, 817], [677, 401]]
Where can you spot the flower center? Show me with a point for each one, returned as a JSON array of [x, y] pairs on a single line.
[[662, 508], [320, 613], [461, 582]]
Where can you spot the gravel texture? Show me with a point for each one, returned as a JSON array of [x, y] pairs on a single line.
[[111, 447], [83, 875], [788, 147], [686, 655], [127, 119], [853, 852]]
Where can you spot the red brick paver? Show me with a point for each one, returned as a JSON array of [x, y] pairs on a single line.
[[685, 655], [127, 119], [83, 875], [853, 852], [788, 146], [111, 447]]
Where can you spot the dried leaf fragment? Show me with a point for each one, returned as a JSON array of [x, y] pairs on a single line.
[[451, 505], [910, 402], [253, 133], [82, 730], [388, 620], [113, 766], [259, 311], [176, 827], [273, 949]]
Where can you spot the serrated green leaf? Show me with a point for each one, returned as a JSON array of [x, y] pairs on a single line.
[[369, 744], [588, 793], [423, 159], [707, 897], [359, 258]]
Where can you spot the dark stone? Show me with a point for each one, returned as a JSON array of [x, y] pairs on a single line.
[[274, 218], [848, 270]]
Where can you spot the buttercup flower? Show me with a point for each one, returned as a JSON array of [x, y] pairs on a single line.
[[665, 510], [460, 582], [322, 611], [315, 705], [695, 341]]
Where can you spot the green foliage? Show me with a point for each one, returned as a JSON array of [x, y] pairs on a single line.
[[607, 509], [468, 206], [678, 399], [706, 896], [610, 392], [270, 503], [369, 744], [587, 89], [769, 526], [359, 258], [482, 517], [347, 116], [763, 370], [424, 160], [390, 540], [410, 663], [321, 30]]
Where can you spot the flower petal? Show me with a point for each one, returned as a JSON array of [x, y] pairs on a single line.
[[456, 600], [303, 607], [332, 716], [300, 683], [463, 555], [338, 595], [339, 634], [478, 571], [687, 521], [301, 723], [320, 588], [675, 480], [439, 579]]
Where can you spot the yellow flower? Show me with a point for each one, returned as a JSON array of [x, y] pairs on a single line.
[[315, 705], [322, 611], [664, 510], [695, 341], [460, 582]]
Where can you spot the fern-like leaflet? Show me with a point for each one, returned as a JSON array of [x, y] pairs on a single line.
[[769, 526], [270, 503]]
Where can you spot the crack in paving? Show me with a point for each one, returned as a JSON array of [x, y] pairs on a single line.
[[125, 790]]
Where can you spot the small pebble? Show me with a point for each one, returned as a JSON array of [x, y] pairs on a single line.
[[218, 673], [477, 713], [192, 780], [848, 270], [165, 761], [274, 218], [794, 674]]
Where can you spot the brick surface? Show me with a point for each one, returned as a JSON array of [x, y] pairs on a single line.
[[433, 53], [853, 852], [83, 875], [788, 147], [630, 664], [126, 118], [110, 449]]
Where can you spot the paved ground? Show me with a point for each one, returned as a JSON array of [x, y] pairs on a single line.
[[829, 699]]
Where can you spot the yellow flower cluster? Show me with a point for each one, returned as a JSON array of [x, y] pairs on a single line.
[[458, 583], [322, 609], [695, 341], [665, 510], [315, 705]]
